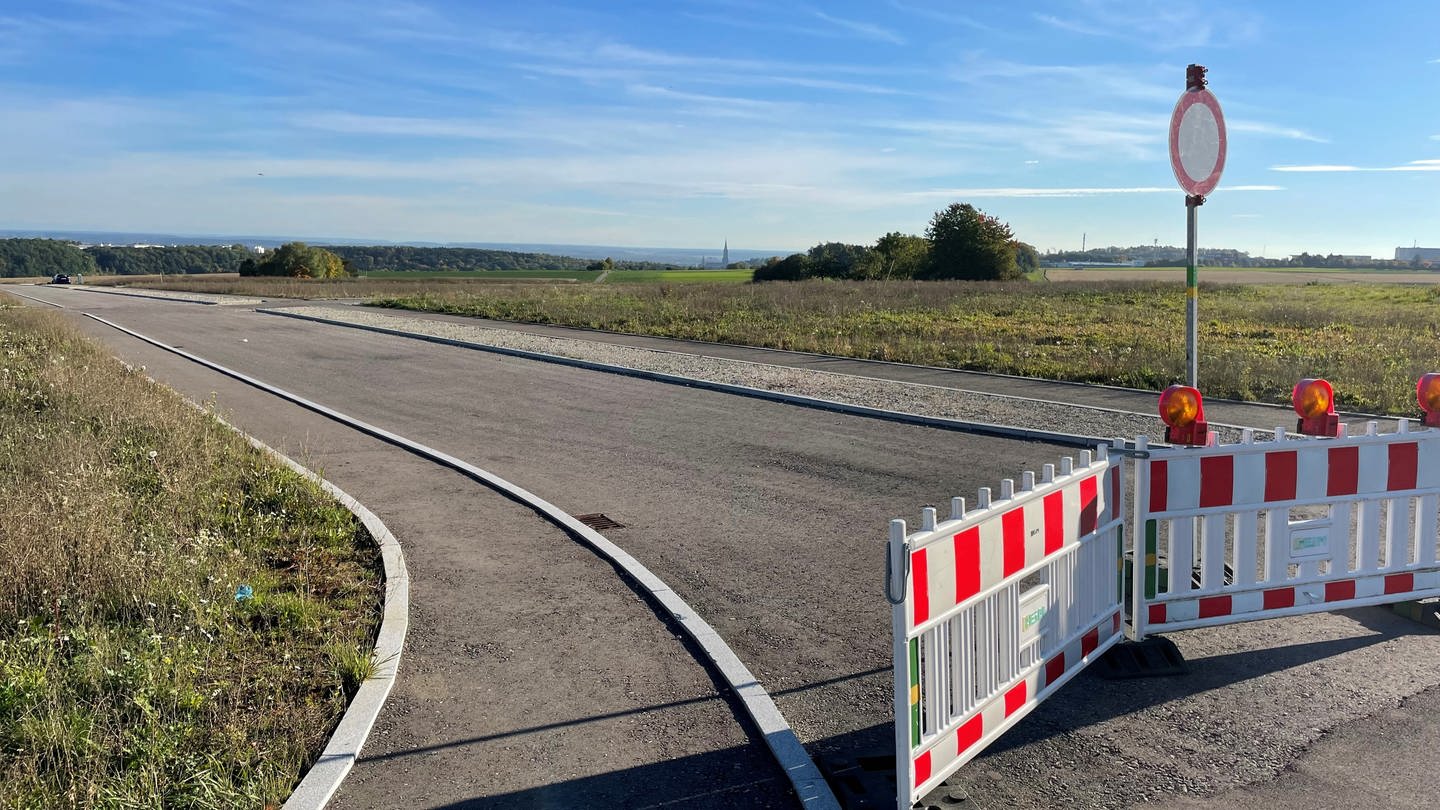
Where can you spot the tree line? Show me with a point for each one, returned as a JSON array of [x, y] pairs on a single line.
[[961, 242], [46, 257]]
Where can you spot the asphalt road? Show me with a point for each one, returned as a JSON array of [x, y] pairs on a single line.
[[534, 678]]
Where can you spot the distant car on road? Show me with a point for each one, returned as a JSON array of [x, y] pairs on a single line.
[[60, 278]]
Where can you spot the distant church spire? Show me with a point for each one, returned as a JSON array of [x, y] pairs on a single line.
[[725, 255]]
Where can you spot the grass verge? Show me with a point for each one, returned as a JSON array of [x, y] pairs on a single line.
[[132, 674], [1256, 341]]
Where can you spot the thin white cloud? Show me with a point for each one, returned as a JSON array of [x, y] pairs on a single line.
[[862, 29], [1049, 82], [1412, 166], [1158, 24], [1069, 192], [1074, 26], [1324, 167], [948, 17], [1278, 131]]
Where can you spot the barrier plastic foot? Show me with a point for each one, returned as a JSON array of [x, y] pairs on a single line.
[[1154, 657], [861, 782], [1424, 611]]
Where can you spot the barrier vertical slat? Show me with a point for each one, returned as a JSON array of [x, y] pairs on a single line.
[[946, 701], [917, 728], [1397, 520], [1246, 563], [1277, 540], [1182, 553], [929, 680], [1212, 552], [967, 644], [1425, 529], [1340, 514], [1367, 549]]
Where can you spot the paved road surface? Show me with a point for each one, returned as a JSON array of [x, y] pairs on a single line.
[[534, 678]]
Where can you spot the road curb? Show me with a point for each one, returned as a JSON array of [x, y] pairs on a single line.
[[329, 771], [810, 787], [979, 428], [325, 776]]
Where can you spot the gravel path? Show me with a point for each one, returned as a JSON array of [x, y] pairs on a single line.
[[926, 400]]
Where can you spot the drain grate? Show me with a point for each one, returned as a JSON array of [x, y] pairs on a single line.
[[598, 521]]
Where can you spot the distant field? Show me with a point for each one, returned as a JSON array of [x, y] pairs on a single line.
[[400, 283], [1256, 340], [481, 275], [1240, 275], [615, 277]]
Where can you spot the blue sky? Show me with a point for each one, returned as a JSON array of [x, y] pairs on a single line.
[[686, 122]]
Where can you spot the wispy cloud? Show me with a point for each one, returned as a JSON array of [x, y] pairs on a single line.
[[980, 193], [832, 27], [862, 29], [1064, 82], [947, 16], [1275, 130], [1159, 24], [1321, 167], [1412, 166]]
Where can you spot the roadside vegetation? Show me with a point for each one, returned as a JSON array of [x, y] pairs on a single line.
[[1371, 341], [182, 620]]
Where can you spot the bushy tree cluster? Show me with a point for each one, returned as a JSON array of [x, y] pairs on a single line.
[[961, 242], [22, 258], [132, 261], [297, 260]]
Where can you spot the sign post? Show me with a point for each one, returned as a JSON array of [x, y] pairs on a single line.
[[1197, 155]]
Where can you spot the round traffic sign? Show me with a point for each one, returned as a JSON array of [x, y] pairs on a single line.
[[1197, 141]]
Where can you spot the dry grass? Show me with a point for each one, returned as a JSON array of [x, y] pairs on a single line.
[[1371, 341], [130, 675]]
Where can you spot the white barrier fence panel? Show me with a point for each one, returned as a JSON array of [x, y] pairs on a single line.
[[1255, 530], [997, 608]]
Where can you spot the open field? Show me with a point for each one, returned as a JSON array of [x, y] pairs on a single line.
[[135, 670], [1371, 341], [1240, 275], [388, 282]]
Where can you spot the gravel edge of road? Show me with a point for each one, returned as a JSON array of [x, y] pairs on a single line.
[[816, 389]]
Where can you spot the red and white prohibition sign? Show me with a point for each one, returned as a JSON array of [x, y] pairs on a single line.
[[1197, 141]]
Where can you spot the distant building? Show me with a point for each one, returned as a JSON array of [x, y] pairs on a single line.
[[725, 255], [1410, 254]]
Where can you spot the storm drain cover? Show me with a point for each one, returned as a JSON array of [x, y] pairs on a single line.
[[598, 521]]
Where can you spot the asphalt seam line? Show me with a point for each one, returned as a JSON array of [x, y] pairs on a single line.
[[979, 428], [810, 787]]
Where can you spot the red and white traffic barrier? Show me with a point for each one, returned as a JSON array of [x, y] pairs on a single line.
[[1295, 525], [997, 607]]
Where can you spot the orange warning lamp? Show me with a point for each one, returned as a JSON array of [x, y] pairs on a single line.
[[1183, 411], [1314, 401], [1427, 390]]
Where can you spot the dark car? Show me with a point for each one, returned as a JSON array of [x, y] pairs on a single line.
[[60, 278]]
